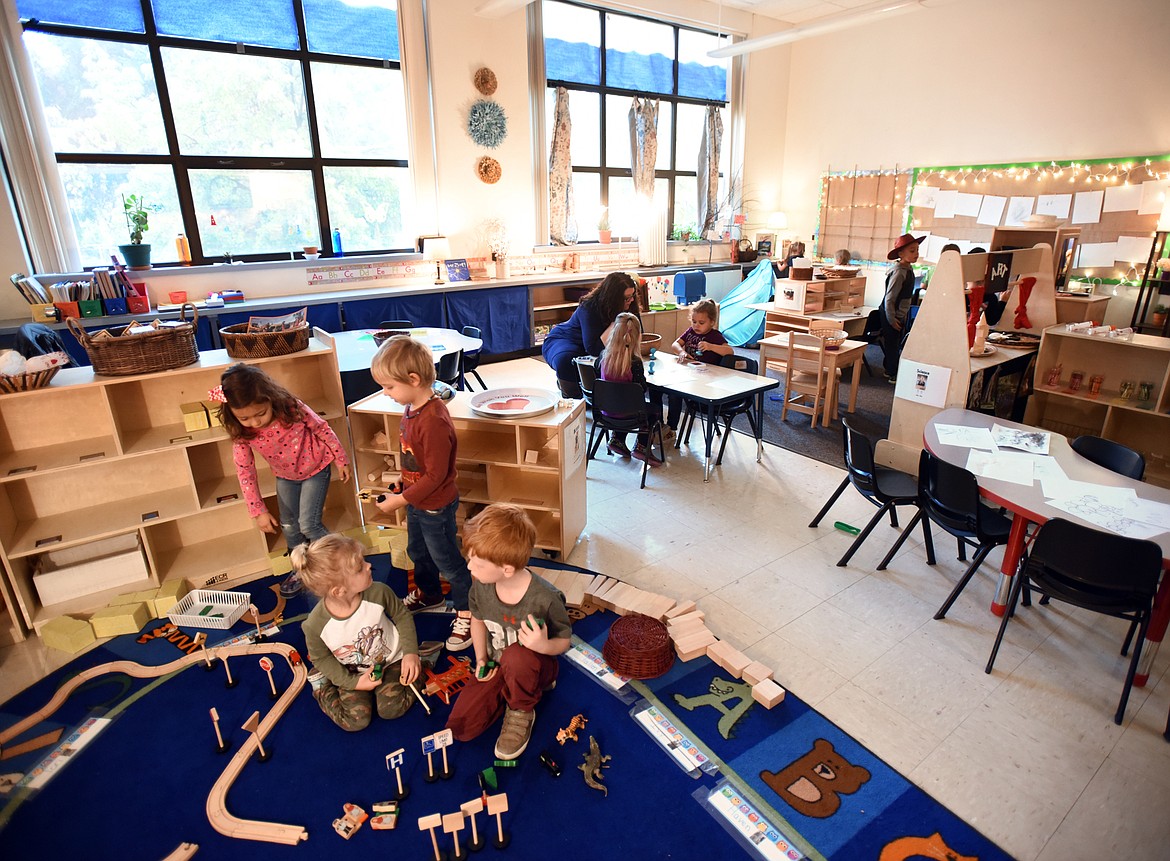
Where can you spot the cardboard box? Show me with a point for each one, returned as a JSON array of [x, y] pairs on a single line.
[[89, 568]]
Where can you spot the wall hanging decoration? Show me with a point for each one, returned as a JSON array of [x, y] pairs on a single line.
[[488, 170], [485, 81], [486, 123]]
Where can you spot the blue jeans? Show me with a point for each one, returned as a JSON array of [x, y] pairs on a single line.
[[431, 546], [301, 505]]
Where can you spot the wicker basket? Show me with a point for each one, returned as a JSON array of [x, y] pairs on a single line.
[[833, 338], [638, 647], [840, 271], [160, 350], [242, 344], [27, 381]]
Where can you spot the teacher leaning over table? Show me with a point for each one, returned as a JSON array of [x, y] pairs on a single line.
[[584, 333]]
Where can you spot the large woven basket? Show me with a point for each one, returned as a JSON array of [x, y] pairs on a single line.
[[27, 381], [242, 344], [160, 350], [638, 647]]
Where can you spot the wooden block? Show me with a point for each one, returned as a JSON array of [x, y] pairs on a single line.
[[575, 593], [734, 661], [678, 631], [212, 413], [717, 650], [658, 606], [755, 672], [67, 634], [698, 640], [194, 416], [552, 575], [279, 563], [767, 693], [122, 619], [601, 597], [621, 597], [167, 596], [687, 617], [680, 608], [598, 581]]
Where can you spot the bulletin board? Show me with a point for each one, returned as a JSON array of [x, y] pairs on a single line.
[[1114, 202], [862, 210]]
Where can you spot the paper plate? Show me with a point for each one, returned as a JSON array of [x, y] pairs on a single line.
[[988, 349], [513, 403]]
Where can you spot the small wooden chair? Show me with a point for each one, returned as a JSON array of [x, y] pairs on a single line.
[[806, 379]]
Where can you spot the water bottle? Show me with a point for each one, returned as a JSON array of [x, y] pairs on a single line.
[[337, 250]]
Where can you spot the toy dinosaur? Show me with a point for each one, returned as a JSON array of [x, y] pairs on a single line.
[[591, 768], [570, 732]]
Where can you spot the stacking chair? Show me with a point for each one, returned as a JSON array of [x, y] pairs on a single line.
[[627, 400], [1098, 571], [447, 368], [396, 324], [806, 379], [1112, 455], [886, 488], [745, 406], [872, 335], [949, 496], [471, 360]]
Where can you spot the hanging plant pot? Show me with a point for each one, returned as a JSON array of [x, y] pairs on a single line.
[[136, 256]]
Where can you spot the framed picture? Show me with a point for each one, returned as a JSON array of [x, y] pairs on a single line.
[[457, 270], [764, 243]]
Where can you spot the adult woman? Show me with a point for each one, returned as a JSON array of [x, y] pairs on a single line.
[[585, 333]]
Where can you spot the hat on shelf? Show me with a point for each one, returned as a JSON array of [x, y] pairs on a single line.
[[904, 240]]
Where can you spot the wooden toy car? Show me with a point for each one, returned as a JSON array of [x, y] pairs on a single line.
[[350, 822]]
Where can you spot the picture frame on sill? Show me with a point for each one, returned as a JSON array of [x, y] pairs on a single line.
[[457, 270], [764, 244]]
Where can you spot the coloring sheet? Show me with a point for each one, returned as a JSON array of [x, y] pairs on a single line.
[[1033, 441], [1112, 518], [966, 437]]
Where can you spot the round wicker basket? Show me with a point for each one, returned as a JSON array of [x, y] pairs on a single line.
[[833, 338], [638, 647], [242, 344], [160, 350], [27, 381]]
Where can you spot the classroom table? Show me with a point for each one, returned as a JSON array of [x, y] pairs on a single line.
[[356, 349], [849, 353], [1028, 505], [712, 386]]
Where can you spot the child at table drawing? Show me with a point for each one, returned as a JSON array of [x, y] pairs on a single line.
[[405, 369], [360, 638], [795, 250], [262, 416], [620, 362], [519, 626], [701, 342]]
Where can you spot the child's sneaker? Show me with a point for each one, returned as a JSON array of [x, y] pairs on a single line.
[[316, 679], [292, 586], [667, 433], [643, 453], [514, 733], [460, 637], [416, 601], [618, 447]]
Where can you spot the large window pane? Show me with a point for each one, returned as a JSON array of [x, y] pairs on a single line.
[[686, 205], [689, 136], [365, 29], [99, 96], [254, 22], [352, 90], [699, 76], [253, 211], [235, 104], [372, 206], [626, 209], [585, 115], [665, 110], [638, 55], [124, 15], [587, 205], [572, 43], [617, 132], [95, 195]]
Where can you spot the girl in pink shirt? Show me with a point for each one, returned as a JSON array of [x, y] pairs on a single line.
[[260, 415]]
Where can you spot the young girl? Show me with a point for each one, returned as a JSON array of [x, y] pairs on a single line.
[[260, 415], [621, 363], [701, 342], [784, 270], [360, 636]]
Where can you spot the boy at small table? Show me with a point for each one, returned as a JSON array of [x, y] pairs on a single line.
[[519, 625]]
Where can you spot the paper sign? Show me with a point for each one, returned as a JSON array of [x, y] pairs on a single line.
[[1122, 198], [1133, 249], [1153, 196], [1018, 209], [967, 205], [1098, 255], [992, 209], [1054, 204], [922, 383], [1087, 207], [944, 204], [923, 196]]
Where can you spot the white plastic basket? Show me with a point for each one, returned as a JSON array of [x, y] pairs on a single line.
[[206, 608]]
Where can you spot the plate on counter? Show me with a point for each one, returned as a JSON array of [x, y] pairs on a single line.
[[513, 403], [988, 349]]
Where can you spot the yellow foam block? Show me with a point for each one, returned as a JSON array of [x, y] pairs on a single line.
[[362, 534], [67, 634], [279, 562], [120, 619], [194, 416], [167, 596]]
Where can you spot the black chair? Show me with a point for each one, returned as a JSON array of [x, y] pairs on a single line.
[[884, 487], [396, 324], [628, 400], [871, 335], [447, 368], [1094, 570], [949, 496], [727, 412], [1112, 455], [471, 360]]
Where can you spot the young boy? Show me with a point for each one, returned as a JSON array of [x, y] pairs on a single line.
[[519, 624], [895, 306], [701, 342], [405, 370]]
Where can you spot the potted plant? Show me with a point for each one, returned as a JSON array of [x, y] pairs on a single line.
[[137, 253], [1163, 267], [1159, 315], [603, 232]]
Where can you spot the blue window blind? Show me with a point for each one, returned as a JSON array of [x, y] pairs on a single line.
[[123, 15], [702, 82], [574, 62], [335, 27], [269, 23], [652, 73]]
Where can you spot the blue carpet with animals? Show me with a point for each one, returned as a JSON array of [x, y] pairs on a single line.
[[793, 784]]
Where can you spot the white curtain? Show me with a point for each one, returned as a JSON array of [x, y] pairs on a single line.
[[643, 144], [32, 166], [708, 170], [562, 223]]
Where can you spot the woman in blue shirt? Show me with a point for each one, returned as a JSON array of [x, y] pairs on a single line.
[[584, 333]]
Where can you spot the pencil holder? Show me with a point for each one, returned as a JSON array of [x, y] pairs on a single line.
[[114, 306], [67, 309], [90, 307]]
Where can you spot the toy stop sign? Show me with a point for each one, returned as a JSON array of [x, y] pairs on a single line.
[[266, 664]]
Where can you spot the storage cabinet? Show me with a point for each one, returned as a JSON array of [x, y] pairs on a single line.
[[537, 462], [90, 458], [820, 295], [1143, 364], [1062, 240], [552, 304]]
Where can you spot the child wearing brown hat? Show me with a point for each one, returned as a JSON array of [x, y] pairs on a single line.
[[896, 304]]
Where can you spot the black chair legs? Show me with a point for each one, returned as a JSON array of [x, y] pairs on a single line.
[[825, 509], [980, 555], [864, 534], [901, 540]]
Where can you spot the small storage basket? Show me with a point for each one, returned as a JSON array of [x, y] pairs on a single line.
[[160, 350], [833, 338], [207, 608], [27, 381], [242, 344], [638, 647]]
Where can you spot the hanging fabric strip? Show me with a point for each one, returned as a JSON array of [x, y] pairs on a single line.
[[708, 170], [643, 145], [562, 226]]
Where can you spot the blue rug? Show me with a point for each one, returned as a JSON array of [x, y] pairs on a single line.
[[139, 788]]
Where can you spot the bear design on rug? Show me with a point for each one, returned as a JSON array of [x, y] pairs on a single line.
[[813, 784], [720, 692]]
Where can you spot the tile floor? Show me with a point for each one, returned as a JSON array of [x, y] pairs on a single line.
[[1029, 755]]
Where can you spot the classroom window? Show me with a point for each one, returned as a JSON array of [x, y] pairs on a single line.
[[235, 120], [603, 58]]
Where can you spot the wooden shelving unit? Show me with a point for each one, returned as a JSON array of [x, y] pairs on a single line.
[[92, 457], [537, 463], [819, 295]]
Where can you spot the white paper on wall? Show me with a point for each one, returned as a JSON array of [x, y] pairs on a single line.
[[1133, 249], [1018, 209], [1153, 196], [932, 247], [1096, 255], [1122, 198], [1054, 204], [991, 210], [968, 204], [1087, 207], [923, 196], [944, 204]]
